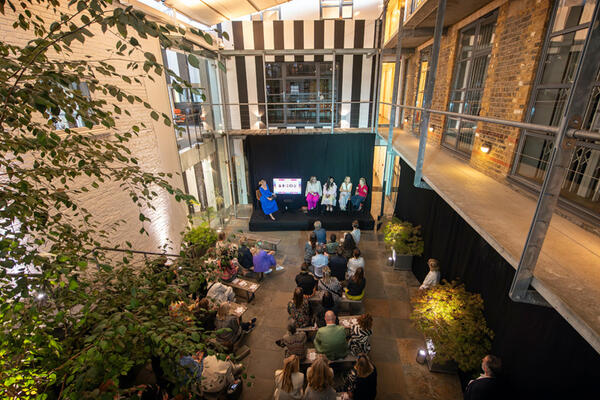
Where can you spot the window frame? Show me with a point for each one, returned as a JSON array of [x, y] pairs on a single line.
[[340, 6]]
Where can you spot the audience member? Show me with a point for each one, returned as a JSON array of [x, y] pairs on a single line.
[[348, 246], [354, 263], [330, 285], [299, 309], [433, 276], [220, 293], [293, 341], [320, 232], [338, 265], [331, 339], [360, 335], [327, 304], [355, 232], [361, 382], [221, 243], [486, 387], [235, 329], [227, 263], [310, 248], [333, 244], [263, 262], [213, 375], [355, 286], [306, 281], [289, 381], [319, 261], [245, 255], [205, 315], [320, 380]]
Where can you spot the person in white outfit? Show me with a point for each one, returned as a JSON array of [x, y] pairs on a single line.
[[329, 194], [433, 276], [345, 192], [313, 192]]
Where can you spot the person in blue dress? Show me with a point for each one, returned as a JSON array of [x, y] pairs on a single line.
[[267, 199]]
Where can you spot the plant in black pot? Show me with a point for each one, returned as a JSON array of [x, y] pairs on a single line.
[[452, 322], [199, 239], [405, 242]]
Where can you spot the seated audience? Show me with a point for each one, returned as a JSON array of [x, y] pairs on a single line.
[[320, 232], [293, 341], [245, 255], [299, 309], [330, 285], [210, 373], [289, 381], [327, 304], [360, 335], [361, 382], [263, 262], [355, 232], [306, 281], [310, 248], [220, 293], [348, 246], [331, 339], [235, 329], [320, 380], [354, 263], [227, 263], [433, 276], [338, 265], [486, 387], [355, 286], [319, 261], [333, 244], [221, 243], [205, 314]]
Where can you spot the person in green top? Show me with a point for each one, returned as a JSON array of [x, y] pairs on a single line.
[[331, 339], [333, 245]]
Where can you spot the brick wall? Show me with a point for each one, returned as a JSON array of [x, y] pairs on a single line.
[[155, 146]]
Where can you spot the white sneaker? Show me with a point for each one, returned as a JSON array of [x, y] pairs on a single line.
[[267, 272], [278, 268]]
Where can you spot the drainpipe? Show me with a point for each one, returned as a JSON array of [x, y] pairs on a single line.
[[427, 96]]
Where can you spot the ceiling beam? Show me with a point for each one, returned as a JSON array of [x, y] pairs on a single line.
[[215, 10], [254, 5]]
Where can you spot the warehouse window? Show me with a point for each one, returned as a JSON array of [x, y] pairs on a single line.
[[334, 9]]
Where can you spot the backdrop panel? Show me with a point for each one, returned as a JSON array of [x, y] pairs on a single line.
[[301, 156], [543, 356]]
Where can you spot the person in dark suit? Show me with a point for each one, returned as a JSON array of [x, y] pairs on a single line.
[[486, 387], [338, 264]]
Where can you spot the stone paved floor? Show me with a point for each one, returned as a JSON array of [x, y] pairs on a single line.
[[394, 342]]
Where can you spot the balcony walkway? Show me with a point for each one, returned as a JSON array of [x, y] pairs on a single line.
[[568, 271]]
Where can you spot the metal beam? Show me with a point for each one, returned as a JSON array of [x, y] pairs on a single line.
[[559, 162], [427, 96], [297, 52]]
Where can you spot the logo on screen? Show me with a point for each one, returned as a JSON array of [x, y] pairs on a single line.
[[287, 185]]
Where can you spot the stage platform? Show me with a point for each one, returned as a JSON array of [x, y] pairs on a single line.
[[299, 221]]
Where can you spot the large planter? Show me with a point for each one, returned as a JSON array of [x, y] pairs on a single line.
[[447, 367], [402, 262]]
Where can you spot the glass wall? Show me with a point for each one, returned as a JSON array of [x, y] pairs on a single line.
[[423, 73], [470, 71], [386, 92], [392, 19], [560, 56]]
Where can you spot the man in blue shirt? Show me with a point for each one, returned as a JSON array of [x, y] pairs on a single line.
[[319, 261], [321, 233]]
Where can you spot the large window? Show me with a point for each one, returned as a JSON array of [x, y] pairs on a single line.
[[472, 61], [554, 80], [334, 9], [299, 93], [72, 119], [392, 19], [422, 75]]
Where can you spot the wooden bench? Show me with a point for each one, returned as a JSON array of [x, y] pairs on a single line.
[[341, 363], [237, 309], [242, 285], [344, 303], [310, 331], [264, 243]]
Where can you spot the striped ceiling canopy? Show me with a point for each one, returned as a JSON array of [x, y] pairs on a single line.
[[212, 12]]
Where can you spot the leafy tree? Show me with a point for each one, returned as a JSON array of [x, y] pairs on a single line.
[[71, 328], [403, 237]]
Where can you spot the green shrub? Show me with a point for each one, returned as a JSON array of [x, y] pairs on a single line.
[[404, 238], [453, 319], [199, 239]]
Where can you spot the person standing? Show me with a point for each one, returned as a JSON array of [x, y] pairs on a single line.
[[313, 192], [289, 381], [267, 199], [329, 194], [486, 387], [433, 276], [361, 194], [345, 193]]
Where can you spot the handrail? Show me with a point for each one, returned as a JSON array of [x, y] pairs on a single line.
[[136, 251]]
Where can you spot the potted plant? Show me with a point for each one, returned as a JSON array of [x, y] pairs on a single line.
[[405, 241], [199, 239], [452, 322]]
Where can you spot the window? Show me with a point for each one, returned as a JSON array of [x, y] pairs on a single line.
[[308, 85], [560, 56], [72, 120], [412, 6], [392, 19], [423, 73], [272, 14], [334, 9], [470, 71]]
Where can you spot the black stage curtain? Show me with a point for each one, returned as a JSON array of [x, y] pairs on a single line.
[[543, 356], [302, 156]]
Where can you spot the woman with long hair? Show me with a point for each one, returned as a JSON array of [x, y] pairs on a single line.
[[236, 327], [289, 381], [313, 192], [348, 246], [267, 199], [345, 192], [327, 304], [355, 288], [329, 194], [330, 284], [361, 383], [310, 248], [320, 380], [360, 335], [361, 194], [355, 262], [299, 309]]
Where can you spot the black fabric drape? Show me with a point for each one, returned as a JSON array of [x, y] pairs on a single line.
[[302, 156], [543, 356]]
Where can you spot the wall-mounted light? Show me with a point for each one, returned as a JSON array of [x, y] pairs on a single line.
[[485, 148], [405, 120], [431, 129]]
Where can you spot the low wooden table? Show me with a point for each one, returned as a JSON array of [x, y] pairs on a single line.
[[247, 287], [265, 243], [237, 309], [348, 321], [346, 362], [349, 304]]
